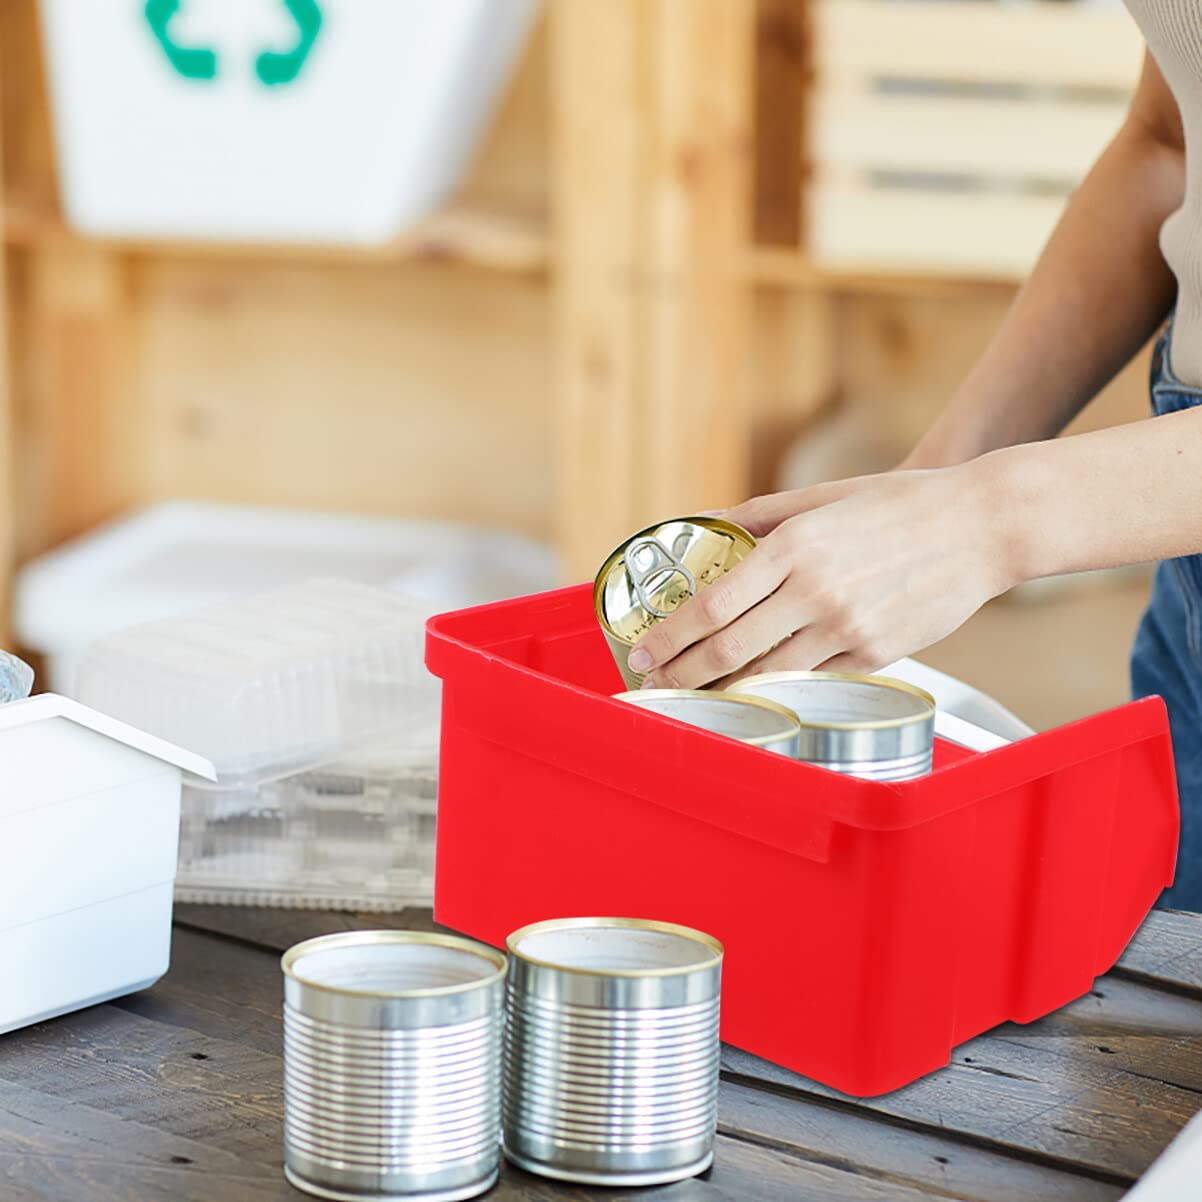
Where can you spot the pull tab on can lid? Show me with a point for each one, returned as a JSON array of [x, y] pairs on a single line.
[[650, 566], [656, 571]]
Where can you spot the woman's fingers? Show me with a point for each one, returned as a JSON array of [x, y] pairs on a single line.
[[761, 515], [714, 607], [811, 648], [731, 648]]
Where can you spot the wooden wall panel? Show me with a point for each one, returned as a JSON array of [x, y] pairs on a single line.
[[792, 375], [382, 388], [28, 149], [81, 441], [897, 360]]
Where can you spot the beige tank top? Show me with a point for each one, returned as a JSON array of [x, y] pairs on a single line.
[[1173, 30]]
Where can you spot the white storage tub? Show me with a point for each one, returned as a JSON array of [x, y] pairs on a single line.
[[273, 120], [89, 818]]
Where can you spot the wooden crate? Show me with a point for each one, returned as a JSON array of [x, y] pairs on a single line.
[[945, 137]]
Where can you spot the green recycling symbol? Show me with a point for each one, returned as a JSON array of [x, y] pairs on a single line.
[[272, 67]]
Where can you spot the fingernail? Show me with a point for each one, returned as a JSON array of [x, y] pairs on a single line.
[[649, 683], [639, 660]]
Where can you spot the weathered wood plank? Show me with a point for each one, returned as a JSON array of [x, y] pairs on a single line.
[[902, 1157], [1119, 1006], [1042, 1098], [36, 1123], [742, 1171], [212, 1091], [1167, 949], [218, 989], [33, 1178]]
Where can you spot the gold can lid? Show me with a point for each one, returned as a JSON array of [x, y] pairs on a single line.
[[658, 569]]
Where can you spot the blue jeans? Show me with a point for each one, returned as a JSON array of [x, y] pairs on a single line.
[[1167, 658]]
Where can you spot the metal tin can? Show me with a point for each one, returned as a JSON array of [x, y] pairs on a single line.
[[611, 1051], [392, 1065], [870, 726], [655, 572], [759, 721]]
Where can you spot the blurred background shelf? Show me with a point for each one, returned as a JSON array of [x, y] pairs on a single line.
[[492, 238], [470, 234], [785, 268]]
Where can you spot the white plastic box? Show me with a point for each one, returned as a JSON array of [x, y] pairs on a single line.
[[273, 120], [315, 708], [89, 814], [179, 556]]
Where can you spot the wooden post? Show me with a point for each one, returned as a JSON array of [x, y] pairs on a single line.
[[653, 166], [8, 491], [84, 435], [782, 79]]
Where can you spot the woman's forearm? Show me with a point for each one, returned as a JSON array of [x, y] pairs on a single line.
[[1129, 494], [1099, 291], [886, 565]]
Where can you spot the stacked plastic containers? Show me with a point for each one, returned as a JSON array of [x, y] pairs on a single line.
[[322, 725]]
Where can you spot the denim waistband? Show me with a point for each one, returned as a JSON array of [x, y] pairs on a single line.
[[1168, 392]]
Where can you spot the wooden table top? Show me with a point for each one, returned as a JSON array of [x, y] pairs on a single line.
[[175, 1092]]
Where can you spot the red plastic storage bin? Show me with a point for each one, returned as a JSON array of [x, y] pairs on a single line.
[[869, 927]]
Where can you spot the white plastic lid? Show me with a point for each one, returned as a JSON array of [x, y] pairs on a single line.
[[282, 682], [176, 556]]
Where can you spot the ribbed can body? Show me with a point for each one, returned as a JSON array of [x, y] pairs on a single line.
[[869, 726], [611, 1065], [902, 768], [395, 1094]]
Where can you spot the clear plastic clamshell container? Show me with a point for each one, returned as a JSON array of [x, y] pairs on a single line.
[[314, 707]]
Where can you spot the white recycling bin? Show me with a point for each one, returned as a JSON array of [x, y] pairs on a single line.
[[337, 121]]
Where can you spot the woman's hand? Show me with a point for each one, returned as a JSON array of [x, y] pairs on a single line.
[[849, 577]]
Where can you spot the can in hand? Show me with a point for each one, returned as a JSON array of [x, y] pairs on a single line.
[[392, 1066], [655, 572]]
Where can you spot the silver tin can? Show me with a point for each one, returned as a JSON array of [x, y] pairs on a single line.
[[392, 1066], [755, 720], [655, 572], [869, 726], [611, 1051]]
